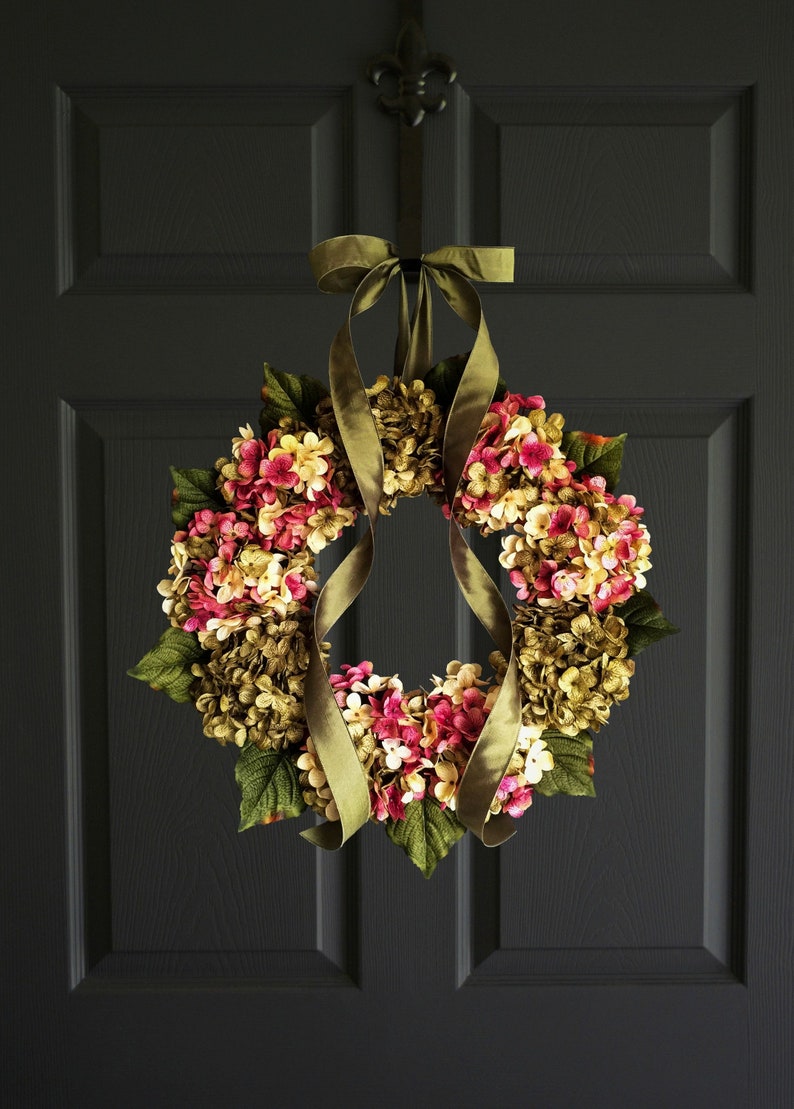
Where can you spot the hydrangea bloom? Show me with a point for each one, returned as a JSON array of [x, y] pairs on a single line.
[[224, 578], [417, 744]]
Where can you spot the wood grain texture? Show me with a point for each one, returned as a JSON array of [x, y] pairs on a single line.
[[171, 881], [168, 190], [635, 188], [770, 935], [648, 879], [660, 1027], [33, 915]]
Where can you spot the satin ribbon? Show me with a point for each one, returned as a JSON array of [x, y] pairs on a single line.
[[365, 265]]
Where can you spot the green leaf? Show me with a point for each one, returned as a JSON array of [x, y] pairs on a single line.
[[289, 395], [572, 773], [269, 783], [597, 455], [445, 376], [193, 490], [426, 834], [167, 665], [645, 621]]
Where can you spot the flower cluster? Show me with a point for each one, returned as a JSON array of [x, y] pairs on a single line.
[[416, 745], [573, 666], [516, 454], [570, 539], [579, 544], [231, 568], [223, 578], [410, 424], [250, 688], [285, 483]]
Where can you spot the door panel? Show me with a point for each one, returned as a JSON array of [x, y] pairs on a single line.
[[177, 166]]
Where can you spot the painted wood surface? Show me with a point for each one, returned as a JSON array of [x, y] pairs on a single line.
[[172, 168]]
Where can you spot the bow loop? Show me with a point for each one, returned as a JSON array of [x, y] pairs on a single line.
[[340, 264], [476, 263]]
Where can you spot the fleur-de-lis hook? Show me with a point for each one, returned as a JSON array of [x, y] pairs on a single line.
[[410, 64]]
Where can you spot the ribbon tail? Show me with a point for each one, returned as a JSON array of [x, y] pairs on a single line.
[[490, 759], [332, 740], [420, 350], [494, 749]]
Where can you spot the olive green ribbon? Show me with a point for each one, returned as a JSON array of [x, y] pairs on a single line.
[[365, 266]]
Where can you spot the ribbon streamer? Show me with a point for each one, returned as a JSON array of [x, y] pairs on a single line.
[[365, 265]]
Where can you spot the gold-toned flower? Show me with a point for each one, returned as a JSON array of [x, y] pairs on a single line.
[[312, 778], [410, 425], [573, 666], [325, 524], [251, 687], [447, 784]]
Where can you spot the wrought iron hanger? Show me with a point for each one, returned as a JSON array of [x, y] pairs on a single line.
[[411, 63]]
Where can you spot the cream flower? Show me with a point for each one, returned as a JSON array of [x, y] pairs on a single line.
[[513, 545], [508, 509], [414, 785], [459, 677], [319, 796], [325, 524], [396, 753], [310, 454], [527, 735], [374, 684], [445, 788], [357, 711], [538, 521], [539, 760], [246, 433], [308, 761]]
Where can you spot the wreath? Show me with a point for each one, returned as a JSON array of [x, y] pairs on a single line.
[[242, 588]]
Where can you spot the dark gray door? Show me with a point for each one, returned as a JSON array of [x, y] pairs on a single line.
[[167, 168]]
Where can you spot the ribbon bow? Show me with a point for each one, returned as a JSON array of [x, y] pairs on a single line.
[[365, 266]]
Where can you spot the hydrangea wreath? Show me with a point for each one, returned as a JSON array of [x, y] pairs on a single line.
[[242, 583]]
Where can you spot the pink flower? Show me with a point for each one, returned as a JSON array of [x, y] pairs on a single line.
[[631, 503], [386, 802], [564, 584], [534, 454], [595, 484], [561, 519], [231, 527], [488, 456], [250, 453], [567, 518], [203, 522], [543, 579], [279, 472], [521, 584], [506, 787], [297, 587], [351, 674], [505, 409], [389, 714], [614, 591], [519, 802]]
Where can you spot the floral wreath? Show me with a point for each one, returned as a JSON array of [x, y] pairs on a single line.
[[242, 589]]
